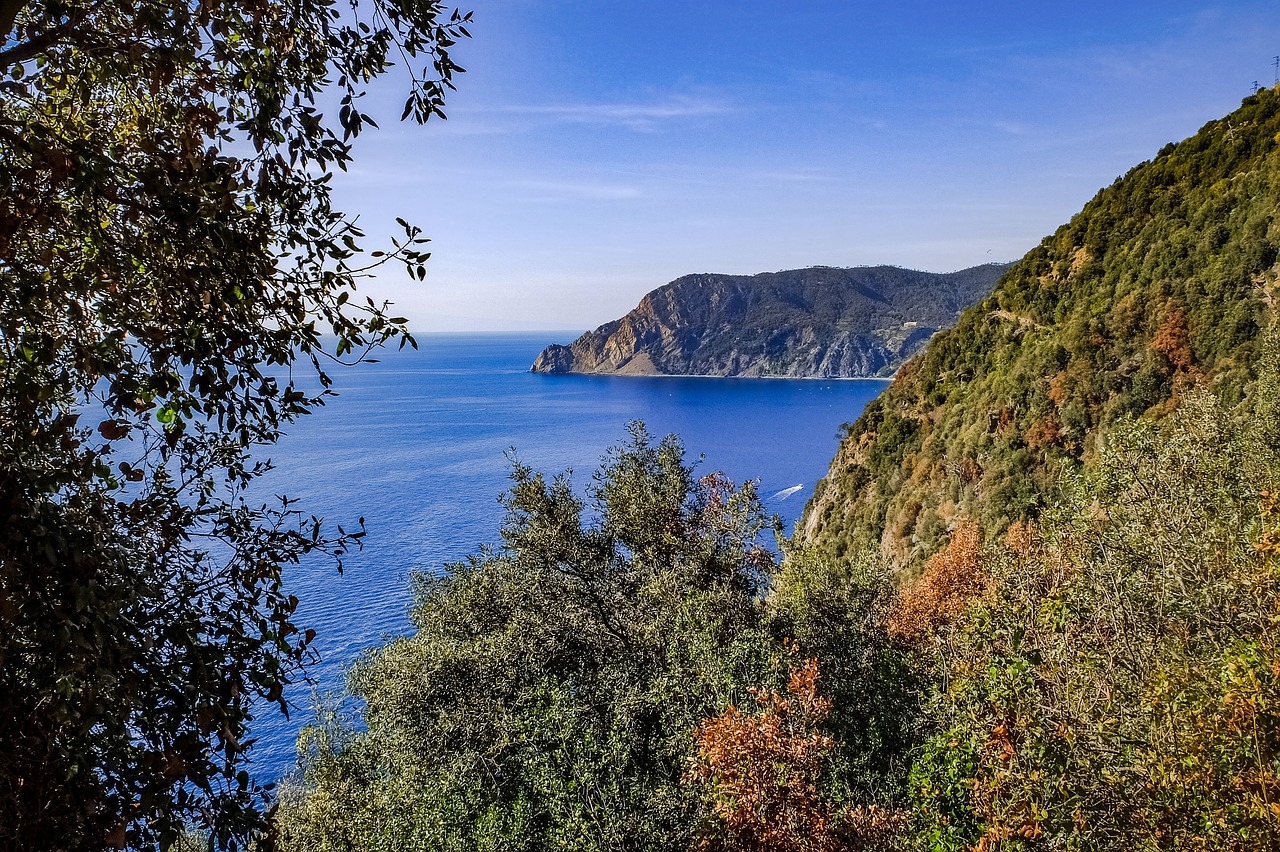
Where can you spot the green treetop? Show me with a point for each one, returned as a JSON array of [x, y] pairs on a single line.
[[168, 255]]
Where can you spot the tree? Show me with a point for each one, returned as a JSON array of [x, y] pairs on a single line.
[[169, 256], [762, 772], [838, 610], [549, 696]]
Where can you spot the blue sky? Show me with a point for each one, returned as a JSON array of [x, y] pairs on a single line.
[[597, 149]]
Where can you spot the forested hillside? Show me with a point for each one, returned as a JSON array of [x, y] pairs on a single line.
[[1160, 283]]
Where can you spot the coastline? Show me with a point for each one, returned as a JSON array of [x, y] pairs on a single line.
[[887, 378]]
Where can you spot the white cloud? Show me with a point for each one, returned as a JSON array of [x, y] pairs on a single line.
[[535, 190], [632, 116], [796, 177], [1013, 128]]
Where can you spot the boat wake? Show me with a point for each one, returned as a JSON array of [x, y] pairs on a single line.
[[787, 492]]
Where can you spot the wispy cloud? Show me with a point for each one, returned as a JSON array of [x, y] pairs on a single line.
[[632, 116], [796, 177], [1013, 128], [574, 191]]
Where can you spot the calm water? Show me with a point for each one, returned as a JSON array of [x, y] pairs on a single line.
[[416, 446]]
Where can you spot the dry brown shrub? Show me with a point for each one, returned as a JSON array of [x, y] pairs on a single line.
[[761, 770], [1173, 340], [1058, 392], [950, 581], [1022, 538], [1045, 432]]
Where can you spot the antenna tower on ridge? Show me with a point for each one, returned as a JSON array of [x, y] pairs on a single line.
[[1276, 64]]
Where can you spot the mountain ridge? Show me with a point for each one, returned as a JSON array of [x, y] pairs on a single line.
[[819, 321]]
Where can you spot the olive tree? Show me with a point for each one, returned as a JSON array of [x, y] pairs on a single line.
[[174, 286], [550, 695]]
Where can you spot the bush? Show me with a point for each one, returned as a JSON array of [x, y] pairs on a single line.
[[761, 772], [1120, 687], [550, 694]]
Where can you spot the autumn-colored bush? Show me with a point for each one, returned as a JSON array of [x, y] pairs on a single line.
[[1045, 432], [1119, 685], [1021, 538], [762, 769], [1172, 339], [951, 580], [836, 610]]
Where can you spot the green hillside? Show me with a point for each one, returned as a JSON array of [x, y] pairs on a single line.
[[1160, 282]]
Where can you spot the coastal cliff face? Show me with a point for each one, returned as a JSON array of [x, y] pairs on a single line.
[[817, 322]]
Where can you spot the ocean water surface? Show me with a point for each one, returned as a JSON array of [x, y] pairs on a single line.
[[417, 444]]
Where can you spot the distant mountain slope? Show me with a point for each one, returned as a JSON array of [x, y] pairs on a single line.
[[820, 321], [1161, 282]]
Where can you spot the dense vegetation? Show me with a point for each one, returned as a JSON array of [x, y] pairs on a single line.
[[1118, 686], [1084, 654], [818, 321], [1108, 678], [1159, 284], [172, 272], [550, 696]]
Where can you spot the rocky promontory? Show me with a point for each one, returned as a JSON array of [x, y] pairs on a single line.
[[823, 322]]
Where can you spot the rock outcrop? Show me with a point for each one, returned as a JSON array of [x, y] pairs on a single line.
[[815, 322]]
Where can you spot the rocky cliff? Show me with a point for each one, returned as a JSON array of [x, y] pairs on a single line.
[[814, 322]]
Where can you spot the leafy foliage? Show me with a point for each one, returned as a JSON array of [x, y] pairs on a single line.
[[168, 255], [761, 771], [952, 579], [839, 611], [549, 696], [1102, 673], [1120, 688]]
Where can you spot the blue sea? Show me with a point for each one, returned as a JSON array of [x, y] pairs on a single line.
[[417, 445]]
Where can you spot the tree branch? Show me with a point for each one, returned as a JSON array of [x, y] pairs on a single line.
[[9, 10], [34, 46]]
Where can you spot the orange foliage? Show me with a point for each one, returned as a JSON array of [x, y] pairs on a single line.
[[1045, 432], [1006, 418], [1173, 340], [970, 471], [1058, 389], [1022, 538], [762, 772], [1269, 543], [763, 769], [950, 581]]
